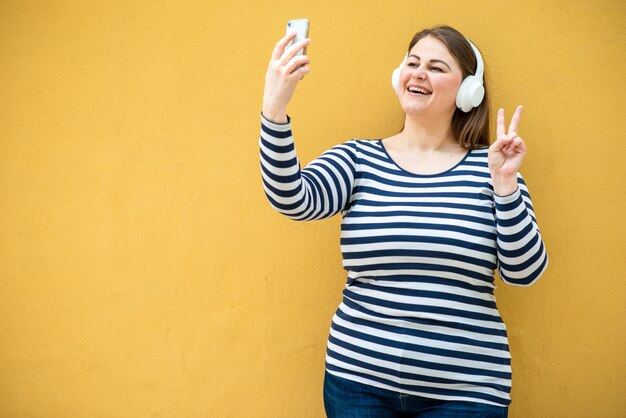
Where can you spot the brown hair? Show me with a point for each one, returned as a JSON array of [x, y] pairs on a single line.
[[470, 129]]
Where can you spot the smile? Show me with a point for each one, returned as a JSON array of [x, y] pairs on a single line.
[[418, 90]]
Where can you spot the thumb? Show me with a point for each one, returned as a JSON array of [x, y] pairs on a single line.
[[500, 143]]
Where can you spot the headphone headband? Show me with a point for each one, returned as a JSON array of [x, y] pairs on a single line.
[[479, 61]]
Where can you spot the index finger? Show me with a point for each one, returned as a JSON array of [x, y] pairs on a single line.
[[293, 49], [500, 123], [516, 118], [280, 46]]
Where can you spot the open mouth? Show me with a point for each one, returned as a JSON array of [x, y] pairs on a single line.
[[419, 90]]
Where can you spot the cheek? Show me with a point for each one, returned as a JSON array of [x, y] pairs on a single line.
[[405, 73], [449, 85]]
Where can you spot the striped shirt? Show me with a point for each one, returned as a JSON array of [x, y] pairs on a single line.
[[418, 314]]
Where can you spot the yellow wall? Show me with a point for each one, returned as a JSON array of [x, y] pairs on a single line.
[[143, 273]]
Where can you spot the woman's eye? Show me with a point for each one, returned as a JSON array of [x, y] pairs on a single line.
[[436, 69], [412, 64]]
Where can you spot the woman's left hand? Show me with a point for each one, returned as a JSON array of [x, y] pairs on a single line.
[[506, 155]]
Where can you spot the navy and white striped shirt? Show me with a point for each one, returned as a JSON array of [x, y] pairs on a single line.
[[418, 314]]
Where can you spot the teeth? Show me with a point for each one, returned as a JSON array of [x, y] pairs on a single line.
[[418, 90]]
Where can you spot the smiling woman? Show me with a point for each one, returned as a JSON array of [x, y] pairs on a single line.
[[428, 216]]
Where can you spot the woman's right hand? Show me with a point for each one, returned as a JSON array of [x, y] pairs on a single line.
[[284, 72]]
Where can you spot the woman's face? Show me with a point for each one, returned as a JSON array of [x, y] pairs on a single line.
[[429, 80]]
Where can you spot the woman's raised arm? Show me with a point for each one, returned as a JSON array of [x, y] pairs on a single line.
[[324, 187]]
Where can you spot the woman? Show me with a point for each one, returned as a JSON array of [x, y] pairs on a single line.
[[428, 215]]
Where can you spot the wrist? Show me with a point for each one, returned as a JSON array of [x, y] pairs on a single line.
[[504, 186], [276, 116]]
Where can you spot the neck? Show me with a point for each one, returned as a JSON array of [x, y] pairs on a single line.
[[428, 135]]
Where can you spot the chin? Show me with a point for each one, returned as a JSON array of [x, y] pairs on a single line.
[[414, 109]]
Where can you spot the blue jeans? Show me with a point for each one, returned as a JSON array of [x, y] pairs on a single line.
[[348, 399]]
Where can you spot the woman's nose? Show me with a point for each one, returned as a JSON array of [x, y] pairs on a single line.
[[419, 73]]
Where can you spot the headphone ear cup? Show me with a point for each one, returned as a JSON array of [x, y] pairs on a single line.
[[395, 76], [471, 93], [395, 79]]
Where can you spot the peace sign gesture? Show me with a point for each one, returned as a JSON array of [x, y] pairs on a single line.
[[506, 154]]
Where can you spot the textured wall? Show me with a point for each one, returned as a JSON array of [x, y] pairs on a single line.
[[142, 272]]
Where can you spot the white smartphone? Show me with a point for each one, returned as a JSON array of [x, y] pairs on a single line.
[[301, 28]]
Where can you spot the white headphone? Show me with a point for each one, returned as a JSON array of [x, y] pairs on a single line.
[[471, 92]]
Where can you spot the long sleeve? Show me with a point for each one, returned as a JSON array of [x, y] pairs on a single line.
[[318, 191], [522, 257]]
